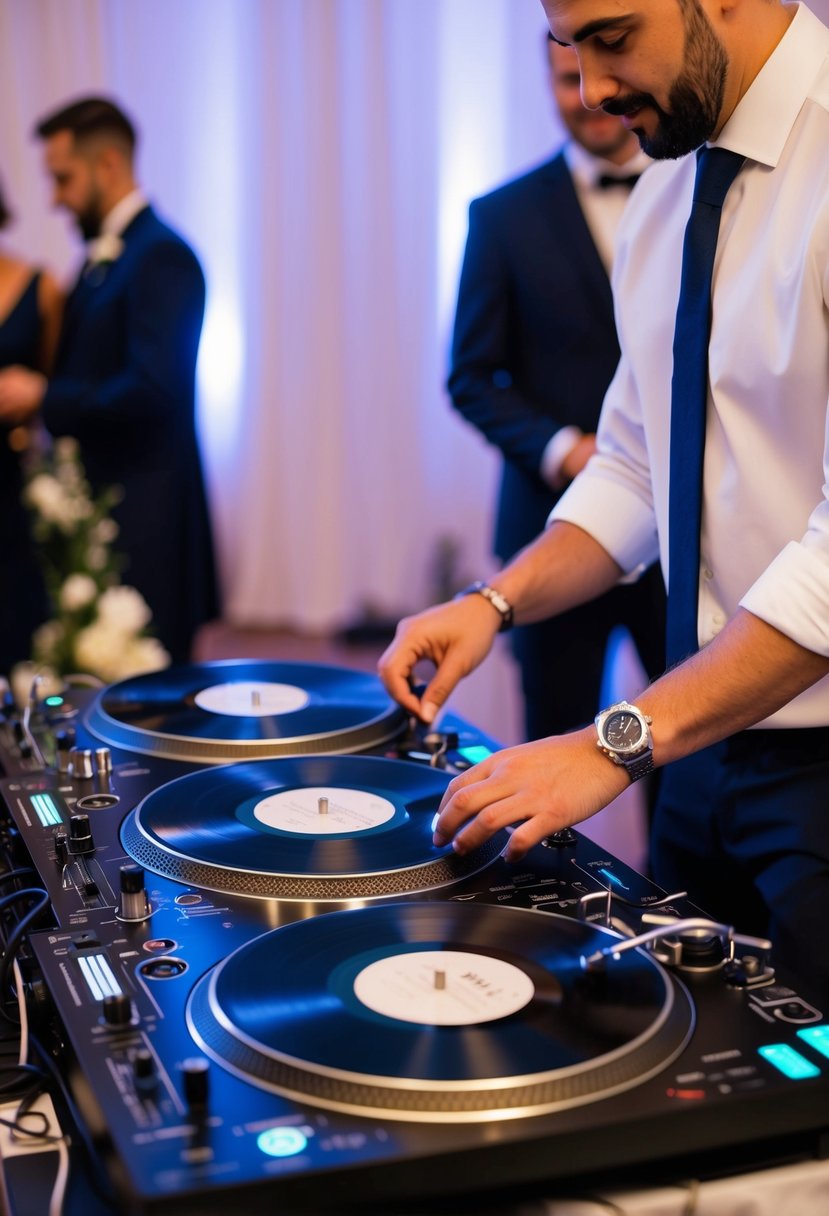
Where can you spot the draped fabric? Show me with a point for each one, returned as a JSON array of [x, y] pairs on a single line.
[[320, 156]]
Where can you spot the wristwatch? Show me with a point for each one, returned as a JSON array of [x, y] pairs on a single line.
[[624, 737], [499, 602]]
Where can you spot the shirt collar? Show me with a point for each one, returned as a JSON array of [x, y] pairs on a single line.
[[116, 221], [587, 169], [763, 118]]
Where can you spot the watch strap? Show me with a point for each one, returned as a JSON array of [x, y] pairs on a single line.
[[640, 766], [499, 602]]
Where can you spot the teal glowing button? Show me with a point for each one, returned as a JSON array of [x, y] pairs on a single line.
[[475, 753], [282, 1141], [53, 702], [788, 1061], [816, 1037]]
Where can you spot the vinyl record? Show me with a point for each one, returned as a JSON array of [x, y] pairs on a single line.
[[315, 827], [439, 1012], [244, 710]]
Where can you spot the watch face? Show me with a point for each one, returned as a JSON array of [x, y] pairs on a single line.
[[623, 730]]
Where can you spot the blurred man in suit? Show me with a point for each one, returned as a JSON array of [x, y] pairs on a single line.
[[124, 379], [534, 350]]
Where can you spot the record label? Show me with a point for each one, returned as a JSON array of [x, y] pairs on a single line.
[[251, 699], [321, 810], [443, 987]]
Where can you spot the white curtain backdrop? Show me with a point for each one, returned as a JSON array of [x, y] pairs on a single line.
[[320, 156]]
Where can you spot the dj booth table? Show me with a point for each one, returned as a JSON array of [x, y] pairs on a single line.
[[267, 990]]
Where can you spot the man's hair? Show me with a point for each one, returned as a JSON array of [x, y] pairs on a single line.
[[89, 118], [5, 214]]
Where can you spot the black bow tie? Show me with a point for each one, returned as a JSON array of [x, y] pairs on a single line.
[[607, 181]]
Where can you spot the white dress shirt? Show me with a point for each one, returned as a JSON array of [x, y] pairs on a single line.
[[107, 246], [603, 210], [765, 528]]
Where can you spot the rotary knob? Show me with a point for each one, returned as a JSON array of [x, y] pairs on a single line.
[[134, 903], [143, 1070], [81, 763], [117, 1010], [196, 1080], [80, 835]]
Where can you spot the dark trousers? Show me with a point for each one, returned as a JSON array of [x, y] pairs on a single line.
[[743, 827]]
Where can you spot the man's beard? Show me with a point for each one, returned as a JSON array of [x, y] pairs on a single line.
[[89, 220], [695, 98]]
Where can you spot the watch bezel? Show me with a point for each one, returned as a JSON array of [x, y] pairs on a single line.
[[621, 753]]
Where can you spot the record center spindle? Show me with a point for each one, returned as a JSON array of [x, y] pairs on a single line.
[[255, 699], [322, 806], [440, 980]]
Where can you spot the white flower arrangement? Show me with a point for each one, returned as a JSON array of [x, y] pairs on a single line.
[[99, 627], [104, 248]]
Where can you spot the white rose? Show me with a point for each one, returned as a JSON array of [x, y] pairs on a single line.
[[78, 591], [123, 609], [144, 654], [104, 532], [105, 248], [96, 557], [47, 496], [99, 651]]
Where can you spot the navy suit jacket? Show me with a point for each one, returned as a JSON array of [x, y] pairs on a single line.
[[124, 387], [535, 342]]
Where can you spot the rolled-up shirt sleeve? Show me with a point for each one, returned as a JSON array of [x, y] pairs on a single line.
[[792, 593]]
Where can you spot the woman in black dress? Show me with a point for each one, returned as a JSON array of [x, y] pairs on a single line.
[[30, 313]]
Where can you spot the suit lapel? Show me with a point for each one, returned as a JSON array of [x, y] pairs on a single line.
[[573, 231]]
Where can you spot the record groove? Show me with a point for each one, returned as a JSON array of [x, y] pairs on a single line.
[[282, 1012], [225, 829], [217, 713]]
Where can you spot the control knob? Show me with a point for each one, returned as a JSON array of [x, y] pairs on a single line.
[[117, 1010], [196, 1079], [81, 763], [80, 835], [143, 1070], [134, 903]]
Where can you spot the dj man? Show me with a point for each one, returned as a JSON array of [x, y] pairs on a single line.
[[743, 818]]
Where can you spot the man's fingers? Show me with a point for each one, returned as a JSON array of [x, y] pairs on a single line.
[[450, 671]]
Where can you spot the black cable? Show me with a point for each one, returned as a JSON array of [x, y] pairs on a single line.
[[18, 873], [15, 937]]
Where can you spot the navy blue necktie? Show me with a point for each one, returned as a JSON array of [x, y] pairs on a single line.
[[716, 170]]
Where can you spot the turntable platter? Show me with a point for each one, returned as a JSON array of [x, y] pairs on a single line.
[[439, 1012], [216, 713], [311, 828]]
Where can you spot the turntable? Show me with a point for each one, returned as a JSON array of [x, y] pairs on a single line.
[[215, 713], [270, 990]]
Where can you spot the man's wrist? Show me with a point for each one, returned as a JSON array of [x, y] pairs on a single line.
[[496, 598]]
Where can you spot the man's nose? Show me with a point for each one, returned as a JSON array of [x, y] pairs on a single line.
[[597, 86]]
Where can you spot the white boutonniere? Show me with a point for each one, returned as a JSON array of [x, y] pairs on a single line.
[[105, 248]]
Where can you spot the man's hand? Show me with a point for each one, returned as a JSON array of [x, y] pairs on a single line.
[[577, 458], [543, 786], [21, 394], [455, 636]]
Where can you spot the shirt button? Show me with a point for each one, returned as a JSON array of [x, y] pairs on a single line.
[[718, 620], [706, 573]]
